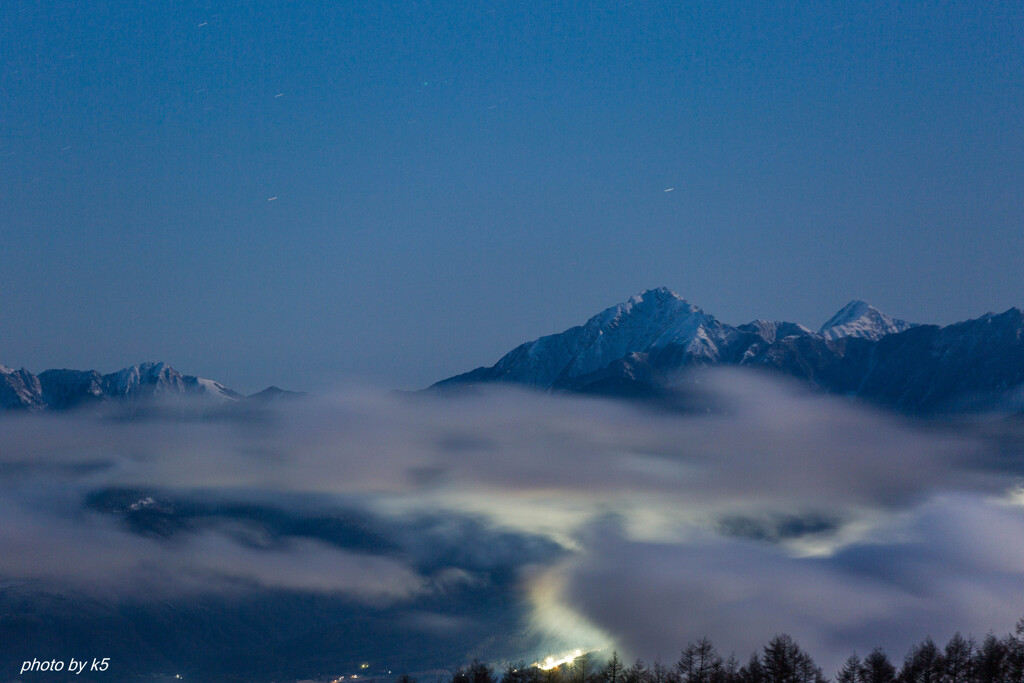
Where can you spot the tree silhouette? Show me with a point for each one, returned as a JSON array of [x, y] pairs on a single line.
[[582, 670], [753, 671], [990, 661], [785, 662], [1015, 654], [958, 658], [877, 668], [637, 673], [923, 664], [852, 670], [729, 671], [996, 660], [521, 673], [661, 673], [613, 671], [477, 672], [699, 663]]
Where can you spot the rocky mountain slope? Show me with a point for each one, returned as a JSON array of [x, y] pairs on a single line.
[[640, 348], [57, 390]]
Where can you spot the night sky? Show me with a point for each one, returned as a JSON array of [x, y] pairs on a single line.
[[317, 193]]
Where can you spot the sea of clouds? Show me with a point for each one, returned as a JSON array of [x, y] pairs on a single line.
[[614, 525]]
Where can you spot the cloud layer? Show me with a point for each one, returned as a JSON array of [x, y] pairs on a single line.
[[616, 525]]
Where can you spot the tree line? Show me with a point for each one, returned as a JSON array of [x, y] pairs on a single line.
[[782, 660]]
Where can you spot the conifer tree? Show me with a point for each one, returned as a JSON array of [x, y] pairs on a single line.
[[785, 662], [877, 668], [729, 671], [613, 671], [661, 673], [990, 663], [636, 673], [753, 671], [699, 663], [923, 664], [958, 657], [851, 671], [1015, 654], [582, 670]]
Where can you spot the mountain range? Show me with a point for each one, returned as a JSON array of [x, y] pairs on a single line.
[[56, 390], [641, 348]]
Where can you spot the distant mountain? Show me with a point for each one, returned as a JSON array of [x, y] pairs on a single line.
[[274, 394], [20, 389], [57, 390], [638, 349], [859, 319], [654, 320]]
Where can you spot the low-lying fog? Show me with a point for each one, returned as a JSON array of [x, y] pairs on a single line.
[[606, 525]]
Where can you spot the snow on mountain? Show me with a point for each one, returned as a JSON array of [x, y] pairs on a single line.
[[215, 390], [65, 389], [638, 348], [145, 378], [772, 331], [20, 390], [160, 379], [860, 319], [650, 321]]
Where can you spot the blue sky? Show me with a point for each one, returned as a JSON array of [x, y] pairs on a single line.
[[450, 180]]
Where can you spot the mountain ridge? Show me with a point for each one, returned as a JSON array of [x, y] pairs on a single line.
[[638, 349], [858, 352], [61, 389]]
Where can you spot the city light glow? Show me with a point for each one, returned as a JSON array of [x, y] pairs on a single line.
[[552, 661]]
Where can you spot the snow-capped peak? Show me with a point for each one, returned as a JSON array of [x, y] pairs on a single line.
[[160, 379], [659, 307], [657, 294], [861, 319], [649, 321], [19, 389], [848, 313], [65, 389]]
